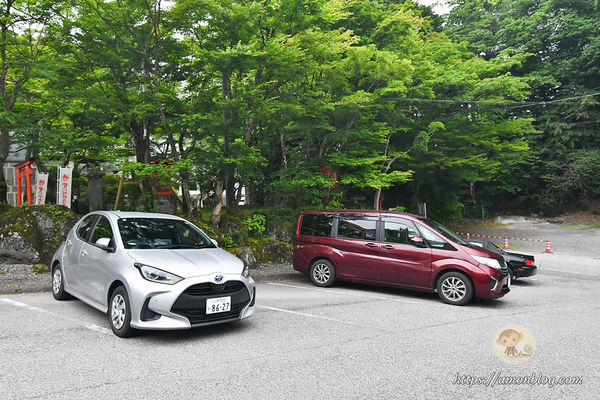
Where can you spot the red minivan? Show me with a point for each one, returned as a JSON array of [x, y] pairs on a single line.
[[396, 249]]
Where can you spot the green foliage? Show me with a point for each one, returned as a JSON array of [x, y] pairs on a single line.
[[320, 103], [557, 43], [255, 224], [228, 241]]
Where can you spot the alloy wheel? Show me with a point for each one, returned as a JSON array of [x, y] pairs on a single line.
[[454, 288], [118, 311], [56, 280], [321, 273]]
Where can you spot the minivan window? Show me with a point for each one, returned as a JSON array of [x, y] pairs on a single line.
[[102, 230], [86, 226], [445, 231], [398, 230], [435, 240], [357, 227], [316, 225]]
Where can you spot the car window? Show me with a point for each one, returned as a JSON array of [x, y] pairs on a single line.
[[398, 230], [102, 230], [85, 226], [434, 240], [161, 233], [188, 236], [357, 227], [316, 225]]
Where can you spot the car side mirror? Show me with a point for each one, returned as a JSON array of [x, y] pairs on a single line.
[[417, 241], [215, 242], [104, 244]]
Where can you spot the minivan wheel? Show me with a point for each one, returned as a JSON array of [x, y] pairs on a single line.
[[58, 284], [119, 313], [455, 288], [322, 273]]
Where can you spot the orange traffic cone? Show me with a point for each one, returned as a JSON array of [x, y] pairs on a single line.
[[468, 237], [506, 242], [548, 248]]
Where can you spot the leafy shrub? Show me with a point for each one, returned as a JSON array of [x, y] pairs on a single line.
[[255, 224]]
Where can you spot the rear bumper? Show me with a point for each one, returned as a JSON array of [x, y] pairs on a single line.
[[523, 272]]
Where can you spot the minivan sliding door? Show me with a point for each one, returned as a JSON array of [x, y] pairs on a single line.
[[356, 240]]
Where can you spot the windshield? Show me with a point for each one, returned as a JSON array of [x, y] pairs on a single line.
[[444, 231], [159, 233]]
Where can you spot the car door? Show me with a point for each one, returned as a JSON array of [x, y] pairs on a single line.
[[95, 262], [73, 245], [356, 240], [403, 261]]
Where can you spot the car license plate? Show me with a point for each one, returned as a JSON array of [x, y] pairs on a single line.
[[218, 305]]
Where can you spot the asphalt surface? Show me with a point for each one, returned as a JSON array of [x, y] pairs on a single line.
[[349, 341], [532, 235]]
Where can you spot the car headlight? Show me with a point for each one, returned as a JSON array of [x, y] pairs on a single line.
[[490, 262], [157, 275], [246, 271]]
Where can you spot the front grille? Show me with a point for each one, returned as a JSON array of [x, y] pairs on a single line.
[[208, 288], [191, 304], [199, 316]]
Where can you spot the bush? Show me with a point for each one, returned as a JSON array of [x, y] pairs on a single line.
[[255, 224]]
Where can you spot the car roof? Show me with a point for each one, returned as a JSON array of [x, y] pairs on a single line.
[[135, 214], [356, 211]]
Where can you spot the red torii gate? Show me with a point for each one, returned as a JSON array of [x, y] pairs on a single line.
[[24, 170]]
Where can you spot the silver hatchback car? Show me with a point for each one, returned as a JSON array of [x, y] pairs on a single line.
[[151, 271]]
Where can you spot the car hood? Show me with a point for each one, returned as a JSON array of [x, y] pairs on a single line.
[[188, 263], [481, 252]]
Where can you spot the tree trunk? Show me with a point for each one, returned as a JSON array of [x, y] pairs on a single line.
[[4, 148], [216, 211], [94, 188], [377, 197], [230, 192], [187, 198]]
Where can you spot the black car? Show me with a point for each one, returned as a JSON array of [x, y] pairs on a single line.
[[519, 265]]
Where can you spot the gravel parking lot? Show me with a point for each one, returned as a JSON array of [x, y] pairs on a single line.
[[349, 341]]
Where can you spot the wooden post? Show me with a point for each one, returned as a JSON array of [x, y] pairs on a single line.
[[119, 191]]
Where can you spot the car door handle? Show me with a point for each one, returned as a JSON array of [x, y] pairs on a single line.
[[371, 245], [83, 252], [387, 247], [69, 242]]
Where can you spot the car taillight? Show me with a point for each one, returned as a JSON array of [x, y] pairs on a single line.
[[528, 262], [298, 227]]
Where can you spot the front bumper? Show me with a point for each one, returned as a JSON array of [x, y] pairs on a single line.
[[182, 306], [494, 286]]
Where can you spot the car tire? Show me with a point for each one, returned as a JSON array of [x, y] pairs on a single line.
[[58, 284], [119, 313], [322, 273], [455, 288], [512, 276]]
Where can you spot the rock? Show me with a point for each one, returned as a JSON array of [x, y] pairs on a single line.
[[14, 249], [31, 234], [281, 230], [265, 251], [272, 251], [245, 254]]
